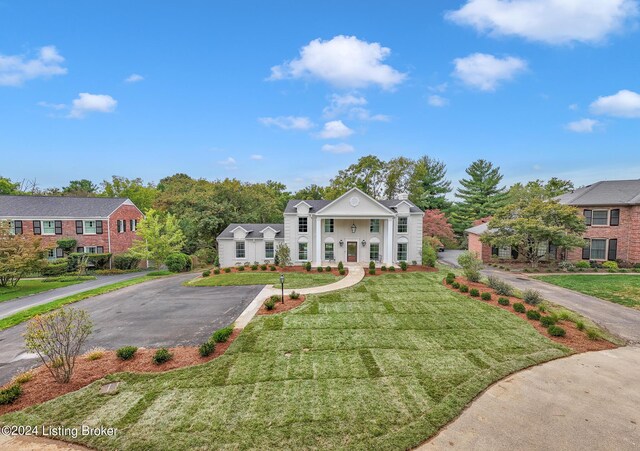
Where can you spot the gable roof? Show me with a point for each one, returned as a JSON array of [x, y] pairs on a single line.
[[44, 207], [479, 229], [357, 190], [317, 205], [607, 192], [253, 230]]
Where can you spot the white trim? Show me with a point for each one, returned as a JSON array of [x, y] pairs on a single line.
[[403, 239], [329, 239], [239, 227], [302, 202], [303, 239], [347, 194], [374, 240], [269, 227]]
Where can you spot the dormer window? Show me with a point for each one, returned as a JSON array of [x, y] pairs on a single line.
[[302, 225]]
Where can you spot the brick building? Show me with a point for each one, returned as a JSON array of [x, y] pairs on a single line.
[[98, 224]]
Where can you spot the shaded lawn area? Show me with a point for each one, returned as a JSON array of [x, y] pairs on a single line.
[[291, 279], [619, 288], [382, 365], [32, 286]]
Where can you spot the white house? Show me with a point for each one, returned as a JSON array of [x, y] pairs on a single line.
[[354, 228]]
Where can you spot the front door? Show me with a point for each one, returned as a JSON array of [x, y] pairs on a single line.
[[352, 251]]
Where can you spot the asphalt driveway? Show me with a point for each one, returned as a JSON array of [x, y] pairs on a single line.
[[156, 313]]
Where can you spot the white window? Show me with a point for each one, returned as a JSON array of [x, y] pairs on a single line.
[[133, 224], [89, 227], [402, 252], [600, 217], [374, 251], [328, 225], [598, 249], [48, 227], [121, 225], [302, 225], [302, 251], [374, 226], [51, 254], [12, 227], [402, 225], [90, 249], [504, 252], [328, 251], [240, 249], [268, 249]]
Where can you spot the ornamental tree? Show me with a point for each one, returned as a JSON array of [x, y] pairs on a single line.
[[158, 236], [19, 255], [435, 224]]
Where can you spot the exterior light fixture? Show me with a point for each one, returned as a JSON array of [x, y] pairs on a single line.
[[282, 285], [364, 243], [353, 228], [341, 243]]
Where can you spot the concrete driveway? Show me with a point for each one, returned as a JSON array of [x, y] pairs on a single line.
[[156, 313], [450, 257]]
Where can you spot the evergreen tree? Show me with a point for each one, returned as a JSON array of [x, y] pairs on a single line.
[[428, 185], [480, 195]]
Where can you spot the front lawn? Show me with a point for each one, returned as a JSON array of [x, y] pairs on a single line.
[[619, 288], [33, 286], [382, 365], [291, 279]]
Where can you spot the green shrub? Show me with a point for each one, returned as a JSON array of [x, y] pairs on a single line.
[[270, 304], [222, 335], [320, 269], [455, 285], [556, 331], [403, 265], [125, 261], [501, 287], [519, 307], [372, 272], [372, 265], [177, 262], [126, 352], [547, 321], [227, 270], [610, 265], [307, 266], [67, 244], [158, 273], [451, 277], [206, 273], [342, 271], [240, 268], [263, 267], [328, 269], [486, 296], [216, 271], [580, 325], [94, 261], [340, 265], [206, 348], [583, 264], [464, 288], [474, 292], [471, 266], [383, 268], [272, 268], [429, 256], [161, 356], [55, 269], [503, 301], [392, 268], [10, 394], [533, 314], [294, 295], [112, 272], [593, 334], [532, 297], [254, 267]]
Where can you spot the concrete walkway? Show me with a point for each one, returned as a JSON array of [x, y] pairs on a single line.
[[587, 401], [355, 275]]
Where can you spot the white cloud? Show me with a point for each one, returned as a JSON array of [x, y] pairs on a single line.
[[53, 106], [437, 101], [582, 125], [338, 148], [486, 72], [624, 103], [288, 122], [335, 129], [133, 78], [352, 106], [344, 61], [549, 21], [229, 163], [257, 157], [92, 103], [574, 107], [442, 87], [16, 69]]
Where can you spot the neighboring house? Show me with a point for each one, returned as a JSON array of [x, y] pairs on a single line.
[[611, 210], [354, 228], [98, 224]]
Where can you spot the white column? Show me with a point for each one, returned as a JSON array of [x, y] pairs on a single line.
[[317, 239], [388, 242]]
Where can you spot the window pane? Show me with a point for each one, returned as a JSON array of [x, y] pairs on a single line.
[[90, 250], [374, 251], [402, 225], [328, 225], [598, 249], [48, 227], [402, 251], [302, 251], [504, 252], [239, 249], [302, 225], [268, 249], [600, 217], [89, 227], [374, 226], [328, 251]]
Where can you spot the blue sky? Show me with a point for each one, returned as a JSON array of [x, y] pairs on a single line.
[[294, 91]]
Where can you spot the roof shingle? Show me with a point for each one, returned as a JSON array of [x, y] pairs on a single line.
[[64, 207]]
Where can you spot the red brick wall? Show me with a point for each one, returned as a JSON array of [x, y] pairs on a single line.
[[121, 242], [483, 251]]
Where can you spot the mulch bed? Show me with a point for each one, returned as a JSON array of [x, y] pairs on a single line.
[[286, 269], [410, 268], [574, 339], [280, 307], [42, 387]]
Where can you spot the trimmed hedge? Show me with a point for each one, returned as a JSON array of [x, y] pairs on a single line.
[[503, 301], [10, 394], [178, 262], [519, 307], [125, 261], [533, 315]]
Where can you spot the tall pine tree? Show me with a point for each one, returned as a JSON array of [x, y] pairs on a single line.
[[428, 185], [480, 195]]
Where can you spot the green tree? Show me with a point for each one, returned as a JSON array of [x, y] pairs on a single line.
[[19, 255], [480, 195], [398, 174], [311, 192], [141, 194], [8, 187], [428, 184], [158, 236], [369, 174], [538, 189], [279, 192], [82, 187]]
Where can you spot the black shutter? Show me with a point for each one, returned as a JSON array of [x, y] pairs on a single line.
[[79, 229], [37, 230], [58, 225], [59, 253], [587, 217], [586, 251], [99, 227], [100, 250], [17, 227], [124, 225], [80, 250], [613, 250], [614, 217], [494, 251], [553, 251], [132, 224]]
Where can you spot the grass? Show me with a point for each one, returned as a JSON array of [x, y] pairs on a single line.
[[28, 287], [619, 288], [27, 314], [382, 365], [291, 279]]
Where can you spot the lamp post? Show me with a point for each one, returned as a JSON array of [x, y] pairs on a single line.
[[282, 286]]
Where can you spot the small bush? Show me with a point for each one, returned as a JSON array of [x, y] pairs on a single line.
[[580, 325], [95, 354], [610, 265], [486, 296], [206, 348], [10, 394], [269, 304], [583, 264], [342, 271], [328, 269], [240, 268], [542, 308], [503, 301], [593, 334], [372, 265], [464, 289], [501, 287], [307, 266], [556, 331], [161, 356], [216, 271], [455, 285], [383, 268], [403, 266], [533, 315], [126, 352], [263, 267], [474, 292], [222, 335], [471, 266], [532, 297], [206, 273], [372, 272], [227, 270], [158, 273], [23, 378], [294, 295], [340, 265], [177, 262], [451, 277], [519, 307], [429, 256], [272, 268], [254, 267], [320, 269], [392, 268], [547, 321], [125, 261]]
